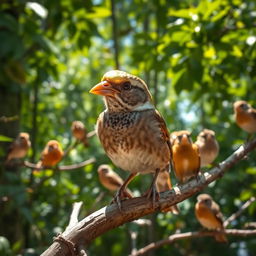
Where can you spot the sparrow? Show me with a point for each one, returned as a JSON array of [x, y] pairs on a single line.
[[209, 215], [19, 147], [51, 155], [245, 116], [79, 132], [132, 132], [163, 183], [185, 156], [111, 180], [208, 146]]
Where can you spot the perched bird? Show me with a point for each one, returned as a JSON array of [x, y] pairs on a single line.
[[185, 156], [163, 183], [245, 116], [79, 132], [208, 146], [208, 214], [51, 155], [111, 180], [19, 147], [132, 132]]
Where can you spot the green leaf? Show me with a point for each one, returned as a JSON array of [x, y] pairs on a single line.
[[5, 138], [98, 12]]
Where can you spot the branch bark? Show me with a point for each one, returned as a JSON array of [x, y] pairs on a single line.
[[110, 217], [189, 235]]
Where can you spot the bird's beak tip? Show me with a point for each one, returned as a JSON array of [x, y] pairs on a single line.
[[103, 88]]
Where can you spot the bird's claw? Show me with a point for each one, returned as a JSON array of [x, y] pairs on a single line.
[[152, 193], [120, 195]]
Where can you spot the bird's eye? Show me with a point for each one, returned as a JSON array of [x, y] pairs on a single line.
[[127, 86]]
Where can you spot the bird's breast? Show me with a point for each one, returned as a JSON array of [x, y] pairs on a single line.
[[132, 143]]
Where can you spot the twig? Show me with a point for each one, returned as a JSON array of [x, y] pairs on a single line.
[[71, 147], [133, 235], [60, 168], [195, 234], [143, 222], [74, 215], [110, 216], [76, 143], [238, 213], [5, 119], [250, 225], [90, 134]]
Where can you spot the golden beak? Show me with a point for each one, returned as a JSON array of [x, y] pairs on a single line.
[[104, 88]]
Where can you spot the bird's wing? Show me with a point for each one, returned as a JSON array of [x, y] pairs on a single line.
[[115, 180], [216, 211]]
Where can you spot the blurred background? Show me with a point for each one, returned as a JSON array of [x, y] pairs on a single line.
[[197, 58]]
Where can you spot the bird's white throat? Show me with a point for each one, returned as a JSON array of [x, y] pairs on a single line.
[[146, 106]]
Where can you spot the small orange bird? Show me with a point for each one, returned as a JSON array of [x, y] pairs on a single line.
[[111, 180], [79, 132], [163, 183], [208, 214], [245, 116], [19, 147], [185, 156], [51, 155], [208, 146]]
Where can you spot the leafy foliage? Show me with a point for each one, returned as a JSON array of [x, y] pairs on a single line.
[[197, 57]]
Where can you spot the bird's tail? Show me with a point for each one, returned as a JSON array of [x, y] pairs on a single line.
[[221, 238], [163, 183]]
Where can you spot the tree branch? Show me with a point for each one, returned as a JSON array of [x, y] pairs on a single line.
[[195, 234], [238, 213], [110, 217], [73, 220], [60, 168]]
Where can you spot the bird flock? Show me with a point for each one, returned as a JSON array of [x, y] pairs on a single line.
[[135, 137]]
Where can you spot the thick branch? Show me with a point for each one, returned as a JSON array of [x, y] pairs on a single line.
[[189, 235], [110, 217], [61, 168]]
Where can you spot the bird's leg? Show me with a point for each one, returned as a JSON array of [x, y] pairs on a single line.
[[152, 191], [121, 192]]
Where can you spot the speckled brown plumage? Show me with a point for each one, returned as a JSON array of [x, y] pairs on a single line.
[[132, 132]]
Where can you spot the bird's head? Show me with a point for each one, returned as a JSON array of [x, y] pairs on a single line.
[[23, 136], [204, 199], [103, 169], [123, 92], [206, 135], [53, 145], [241, 106], [23, 139], [77, 125], [181, 138]]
